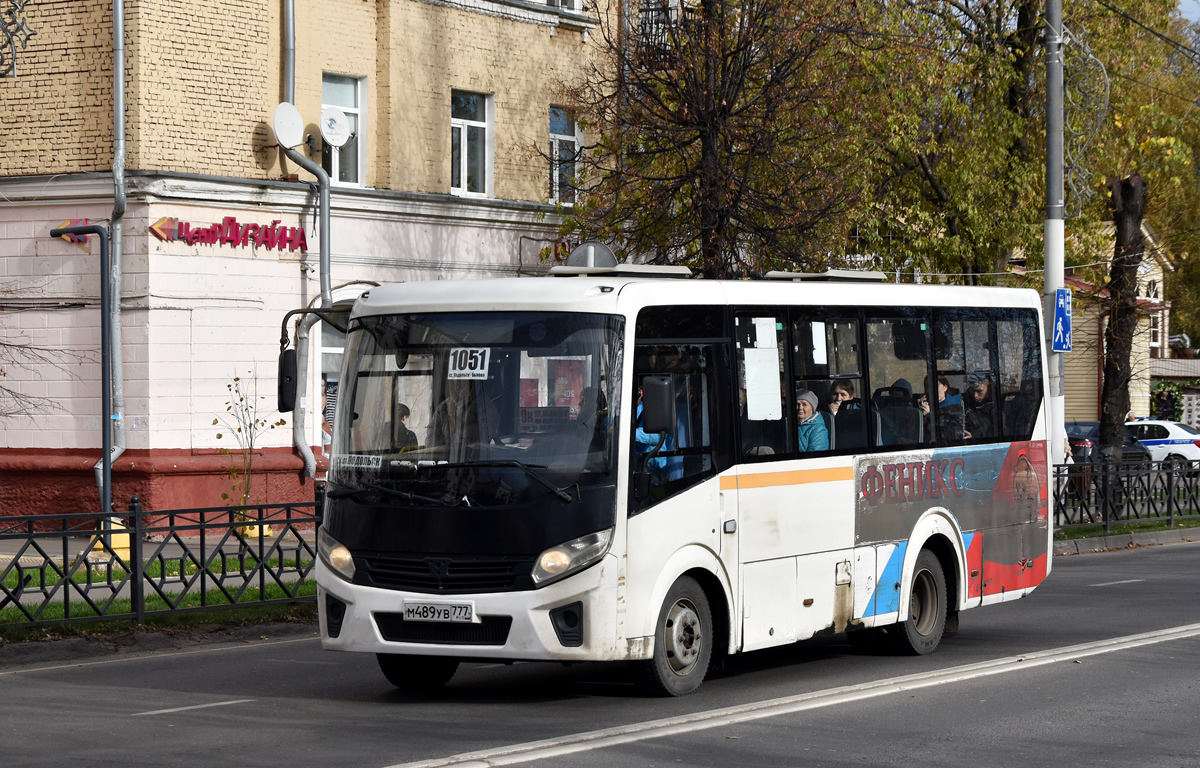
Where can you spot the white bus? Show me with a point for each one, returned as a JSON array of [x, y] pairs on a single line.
[[617, 464]]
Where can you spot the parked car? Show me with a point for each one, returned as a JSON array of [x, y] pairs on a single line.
[[1084, 437], [1167, 441]]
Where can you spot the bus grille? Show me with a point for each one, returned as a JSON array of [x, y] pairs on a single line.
[[493, 630], [444, 575]]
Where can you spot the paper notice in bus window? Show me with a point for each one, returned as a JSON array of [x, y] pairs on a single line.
[[764, 333], [468, 363], [762, 385], [819, 355]]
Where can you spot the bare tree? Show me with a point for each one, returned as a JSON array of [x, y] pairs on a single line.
[[1127, 200], [17, 351], [719, 133]]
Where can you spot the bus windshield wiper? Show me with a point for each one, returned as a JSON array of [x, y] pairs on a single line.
[[341, 491], [530, 469]]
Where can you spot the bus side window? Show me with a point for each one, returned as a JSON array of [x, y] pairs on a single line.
[[897, 360], [1020, 373], [762, 410], [687, 454], [825, 361]]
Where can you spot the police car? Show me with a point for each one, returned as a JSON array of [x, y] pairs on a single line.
[[1168, 441]]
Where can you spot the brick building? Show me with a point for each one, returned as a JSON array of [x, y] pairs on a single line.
[[452, 109]]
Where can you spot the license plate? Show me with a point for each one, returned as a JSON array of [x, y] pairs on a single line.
[[463, 613]]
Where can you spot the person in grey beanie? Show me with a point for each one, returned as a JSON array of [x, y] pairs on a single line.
[[812, 434]]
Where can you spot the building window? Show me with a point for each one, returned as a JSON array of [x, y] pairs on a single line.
[[566, 5], [345, 165], [564, 151], [1155, 330], [470, 144]]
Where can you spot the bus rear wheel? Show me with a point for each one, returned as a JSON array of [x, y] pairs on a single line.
[[416, 674], [921, 630], [683, 642]]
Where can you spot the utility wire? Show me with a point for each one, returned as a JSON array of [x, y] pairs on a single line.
[[1192, 53]]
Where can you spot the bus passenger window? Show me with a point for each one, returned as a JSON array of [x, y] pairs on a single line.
[[761, 409], [1019, 351], [897, 349]]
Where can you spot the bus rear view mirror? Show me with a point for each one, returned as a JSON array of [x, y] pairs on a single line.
[[658, 404], [287, 381]]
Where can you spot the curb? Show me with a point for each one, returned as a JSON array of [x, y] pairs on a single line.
[[1124, 541]]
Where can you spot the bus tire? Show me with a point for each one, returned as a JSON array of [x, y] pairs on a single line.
[[683, 643], [416, 674], [921, 630]]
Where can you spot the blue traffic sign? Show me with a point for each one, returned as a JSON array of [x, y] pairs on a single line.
[[1062, 321]]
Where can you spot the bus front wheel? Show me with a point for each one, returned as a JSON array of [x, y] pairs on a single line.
[[683, 642], [921, 630], [416, 674]]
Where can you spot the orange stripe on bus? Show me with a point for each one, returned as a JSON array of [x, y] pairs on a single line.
[[796, 477]]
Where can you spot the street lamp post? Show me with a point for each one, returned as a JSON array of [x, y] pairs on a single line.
[[1054, 236]]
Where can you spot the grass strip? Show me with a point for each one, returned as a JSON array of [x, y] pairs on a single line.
[[1125, 527], [11, 617]]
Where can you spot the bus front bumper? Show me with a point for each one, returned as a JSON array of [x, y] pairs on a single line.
[[372, 620]]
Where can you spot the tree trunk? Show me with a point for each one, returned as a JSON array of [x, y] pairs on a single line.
[[1128, 202]]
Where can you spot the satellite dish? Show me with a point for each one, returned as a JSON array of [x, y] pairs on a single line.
[[335, 127], [592, 253], [288, 125]]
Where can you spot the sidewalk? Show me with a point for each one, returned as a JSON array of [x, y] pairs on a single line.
[[1125, 540]]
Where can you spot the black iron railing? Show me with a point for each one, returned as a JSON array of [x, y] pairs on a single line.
[[63, 568], [1106, 494]]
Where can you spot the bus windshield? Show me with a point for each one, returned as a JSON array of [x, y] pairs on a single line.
[[478, 408]]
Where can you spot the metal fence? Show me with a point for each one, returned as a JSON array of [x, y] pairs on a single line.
[[68, 568], [60, 568], [1106, 494]]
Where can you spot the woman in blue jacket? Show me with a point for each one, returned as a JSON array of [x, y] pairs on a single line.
[[811, 433]]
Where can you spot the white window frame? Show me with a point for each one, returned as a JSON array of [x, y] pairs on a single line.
[[359, 115], [1156, 329], [555, 138], [489, 133]]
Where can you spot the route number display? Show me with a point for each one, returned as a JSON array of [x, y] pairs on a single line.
[[468, 363]]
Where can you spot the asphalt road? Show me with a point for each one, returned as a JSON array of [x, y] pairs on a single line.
[[1097, 668]]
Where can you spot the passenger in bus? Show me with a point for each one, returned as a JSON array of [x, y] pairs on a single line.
[[406, 439], [981, 408], [949, 415], [841, 392], [812, 435]]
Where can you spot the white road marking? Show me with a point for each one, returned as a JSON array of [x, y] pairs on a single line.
[[1111, 583], [194, 706], [671, 726], [154, 655]]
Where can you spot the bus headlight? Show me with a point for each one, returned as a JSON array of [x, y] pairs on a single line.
[[565, 559], [336, 555]]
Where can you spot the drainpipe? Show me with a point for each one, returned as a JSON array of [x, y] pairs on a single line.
[[117, 420], [289, 51], [299, 439]]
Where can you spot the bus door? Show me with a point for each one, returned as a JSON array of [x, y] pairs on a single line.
[[685, 507], [769, 582]]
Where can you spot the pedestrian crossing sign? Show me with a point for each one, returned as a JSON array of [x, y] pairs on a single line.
[[1062, 321]]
